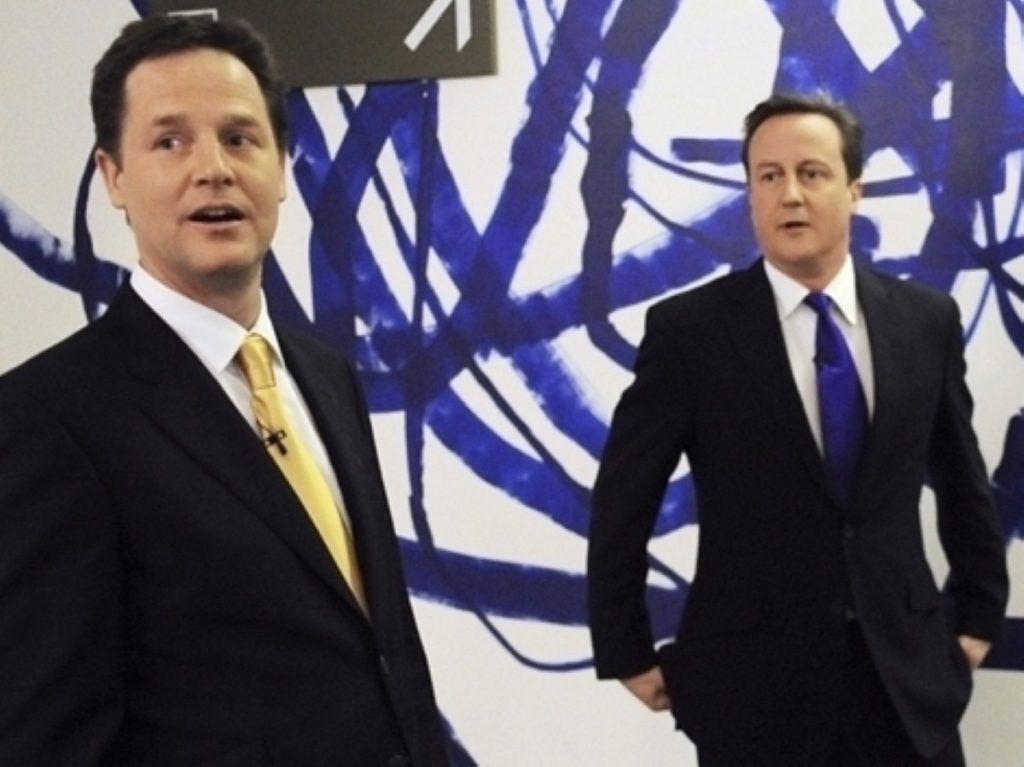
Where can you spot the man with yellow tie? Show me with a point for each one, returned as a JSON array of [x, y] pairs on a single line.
[[198, 562]]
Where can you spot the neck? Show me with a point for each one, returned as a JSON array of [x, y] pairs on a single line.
[[236, 296], [242, 309], [815, 276]]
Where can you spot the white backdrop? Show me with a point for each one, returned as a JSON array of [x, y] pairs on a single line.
[[494, 499]]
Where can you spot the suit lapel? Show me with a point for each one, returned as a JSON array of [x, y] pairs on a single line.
[[324, 388], [186, 403], [753, 322], [883, 334], [336, 415]]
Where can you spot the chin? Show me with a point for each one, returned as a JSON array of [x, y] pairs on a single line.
[[238, 272], [231, 258]]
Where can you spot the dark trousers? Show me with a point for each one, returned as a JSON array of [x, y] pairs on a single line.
[[868, 732]]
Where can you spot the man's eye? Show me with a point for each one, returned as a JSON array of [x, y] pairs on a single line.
[[769, 177], [168, 142], [240, 140]]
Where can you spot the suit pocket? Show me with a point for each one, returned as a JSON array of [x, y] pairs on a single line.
[[707, 670], [935, 636]]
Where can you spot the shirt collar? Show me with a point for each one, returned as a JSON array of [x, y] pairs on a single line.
[[212, 336], [789, 294]]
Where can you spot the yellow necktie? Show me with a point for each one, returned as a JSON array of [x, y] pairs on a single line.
[[295, 460]]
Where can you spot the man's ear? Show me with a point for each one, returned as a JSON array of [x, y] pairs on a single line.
[[282, 190], [856, 192], [111, 172]]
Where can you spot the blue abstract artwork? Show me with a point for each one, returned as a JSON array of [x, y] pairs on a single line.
[[942, 105]]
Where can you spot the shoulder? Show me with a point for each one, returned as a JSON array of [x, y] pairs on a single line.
[[907, 297], [710, 299], [312, 360], [306, 348], [907, 288], [96, 352], [47, 394], [60, 366], [82, 374]]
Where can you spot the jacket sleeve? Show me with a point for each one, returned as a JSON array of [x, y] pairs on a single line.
[[967, 518], [643, 448], [60, 646]]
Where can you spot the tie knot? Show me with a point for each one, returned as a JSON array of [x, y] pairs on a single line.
[[254, 361], [819, 302]]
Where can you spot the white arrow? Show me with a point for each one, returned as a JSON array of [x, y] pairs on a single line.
[[463, 23]]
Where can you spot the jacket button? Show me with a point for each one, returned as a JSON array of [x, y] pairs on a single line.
[[398, 760], [848, 531]]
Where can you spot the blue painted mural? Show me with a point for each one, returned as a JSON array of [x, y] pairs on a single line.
[[595, 60]]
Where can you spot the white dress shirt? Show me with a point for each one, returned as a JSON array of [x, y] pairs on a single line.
[[215, 339], [799, 324]]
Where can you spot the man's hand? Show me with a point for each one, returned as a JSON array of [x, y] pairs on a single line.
[[649, 687], [975, 649]]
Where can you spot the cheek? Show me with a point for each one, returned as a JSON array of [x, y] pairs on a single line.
[[844, 208], [759, 217], [152, 194], [269, 189]]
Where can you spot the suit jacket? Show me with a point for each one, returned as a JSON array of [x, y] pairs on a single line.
[[760, 642], [165, 598]]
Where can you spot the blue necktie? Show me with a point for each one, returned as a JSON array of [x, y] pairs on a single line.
[[844, 412]]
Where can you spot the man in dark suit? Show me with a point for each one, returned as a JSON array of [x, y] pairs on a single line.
[[813, 632], [167, 595]]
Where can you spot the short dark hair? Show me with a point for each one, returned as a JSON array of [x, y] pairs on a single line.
[[851, 133], [160, 36]]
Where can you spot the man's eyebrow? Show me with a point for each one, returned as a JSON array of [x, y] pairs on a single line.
[[232, 121], [168, 121], [242, 121]]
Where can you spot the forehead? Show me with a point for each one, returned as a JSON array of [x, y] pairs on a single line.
[[200, 80], [796, 137]]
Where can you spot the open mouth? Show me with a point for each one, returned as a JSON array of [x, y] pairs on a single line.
[[216, 214], [792, 226]]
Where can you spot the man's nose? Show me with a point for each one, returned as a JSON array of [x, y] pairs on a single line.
[[792, 192], [212, 164]]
